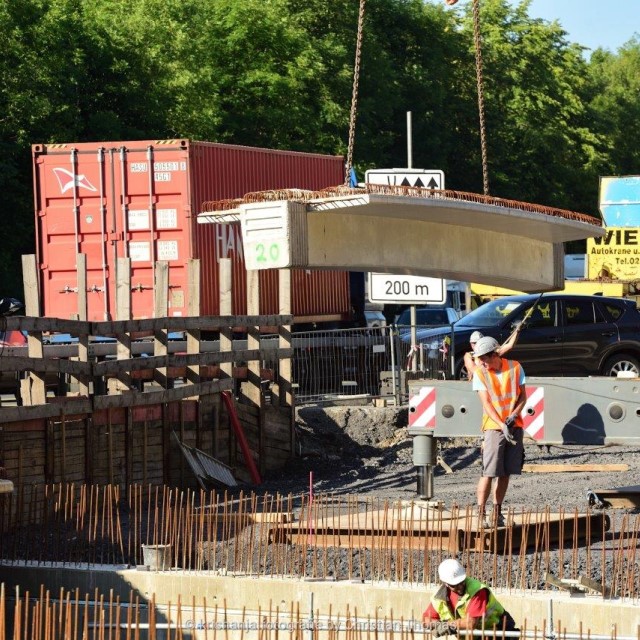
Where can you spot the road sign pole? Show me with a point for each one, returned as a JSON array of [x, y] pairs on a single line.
[[414, 339]]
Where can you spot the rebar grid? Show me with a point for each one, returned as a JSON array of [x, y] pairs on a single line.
[[325, 536], [300, 195], [69, 615]]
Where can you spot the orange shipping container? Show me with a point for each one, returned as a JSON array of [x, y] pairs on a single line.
[[140, 199]]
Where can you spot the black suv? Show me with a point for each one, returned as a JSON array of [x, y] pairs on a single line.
[[566, 335]]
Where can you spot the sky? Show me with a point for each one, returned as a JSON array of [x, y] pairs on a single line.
[[592, 23]]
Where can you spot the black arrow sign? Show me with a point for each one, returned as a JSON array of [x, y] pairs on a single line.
[[433, 184]]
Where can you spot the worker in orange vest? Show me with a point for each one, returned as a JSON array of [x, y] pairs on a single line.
[[500, 384]]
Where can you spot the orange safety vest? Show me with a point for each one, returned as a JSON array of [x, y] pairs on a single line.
[[503, 389]]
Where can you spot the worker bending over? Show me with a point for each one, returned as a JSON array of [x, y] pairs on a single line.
[[464, 603]]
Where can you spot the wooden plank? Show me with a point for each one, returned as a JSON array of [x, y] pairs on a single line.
[[123, 312], [161, 310], [166, 446], [97, 349], [68, 405], [133, 399], [81, 271], [573, 468], [49, 444], [226, 288], [364, 541], [51, 325], [619, 497], [205, 323], [285, 388], [42, 365], [251, 390], [564, 585], [193, 309], [83, 337], [37, 392], [592, 585], [178, 361], [89, 464]]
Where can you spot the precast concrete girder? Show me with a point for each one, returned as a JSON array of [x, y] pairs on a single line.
[[413, 247], [517, 247]]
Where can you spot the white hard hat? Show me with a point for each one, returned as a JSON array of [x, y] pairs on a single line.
[[475, 336], [485, 345], [451, 572]]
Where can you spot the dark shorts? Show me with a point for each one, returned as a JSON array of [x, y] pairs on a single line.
[[499, 458]]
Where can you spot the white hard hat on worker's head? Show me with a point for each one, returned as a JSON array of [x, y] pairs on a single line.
[[451, 572], [475, 336], [485, 345]]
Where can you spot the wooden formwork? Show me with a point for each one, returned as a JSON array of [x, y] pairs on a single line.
[[136, 391], [133, 445], [414, 528]]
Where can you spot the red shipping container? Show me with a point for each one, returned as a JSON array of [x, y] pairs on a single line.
[[140, 200]]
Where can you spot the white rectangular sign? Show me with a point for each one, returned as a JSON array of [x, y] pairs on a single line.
[[386, 287], [423, 178]]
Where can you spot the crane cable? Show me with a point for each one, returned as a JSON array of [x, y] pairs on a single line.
[[480, 83], [354, 95]]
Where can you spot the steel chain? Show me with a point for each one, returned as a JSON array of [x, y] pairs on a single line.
[[354, 95], [480, 83]]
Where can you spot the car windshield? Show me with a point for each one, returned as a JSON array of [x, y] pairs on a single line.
[[492, 313], [425, 317]]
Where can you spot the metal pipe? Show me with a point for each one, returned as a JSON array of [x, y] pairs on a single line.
[[123, 202], [103, 232], [74, 178], [152, 226], [409, 141], [396, 393], [414, 338]]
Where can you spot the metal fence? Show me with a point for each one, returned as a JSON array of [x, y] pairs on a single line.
[[342, 363]]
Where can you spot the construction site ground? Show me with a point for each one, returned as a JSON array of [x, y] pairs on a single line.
[[366, 451]]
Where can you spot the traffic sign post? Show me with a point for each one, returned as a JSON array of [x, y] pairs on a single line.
[[389, 288], [423, 178]]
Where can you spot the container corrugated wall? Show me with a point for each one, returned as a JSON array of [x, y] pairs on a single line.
[[140, 199], [226, 171]]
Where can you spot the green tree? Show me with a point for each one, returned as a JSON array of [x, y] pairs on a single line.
[[540, 146], [615, 106], [61, 80]]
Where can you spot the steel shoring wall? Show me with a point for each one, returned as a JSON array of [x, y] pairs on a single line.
[[280, 536], [349, 362]]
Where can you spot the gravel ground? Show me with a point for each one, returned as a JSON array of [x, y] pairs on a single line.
[[366, 451]]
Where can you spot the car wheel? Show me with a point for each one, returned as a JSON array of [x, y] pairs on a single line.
[[621, 362]]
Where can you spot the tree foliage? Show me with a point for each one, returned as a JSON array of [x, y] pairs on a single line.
[[278, 73]]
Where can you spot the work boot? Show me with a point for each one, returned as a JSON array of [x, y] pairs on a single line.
[[484, 522], [498, 519]]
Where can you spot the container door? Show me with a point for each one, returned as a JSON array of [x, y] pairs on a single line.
[[71, 197], [153, 223], [108, 201]]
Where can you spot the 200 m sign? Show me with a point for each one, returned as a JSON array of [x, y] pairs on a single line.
[[385, 287]]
